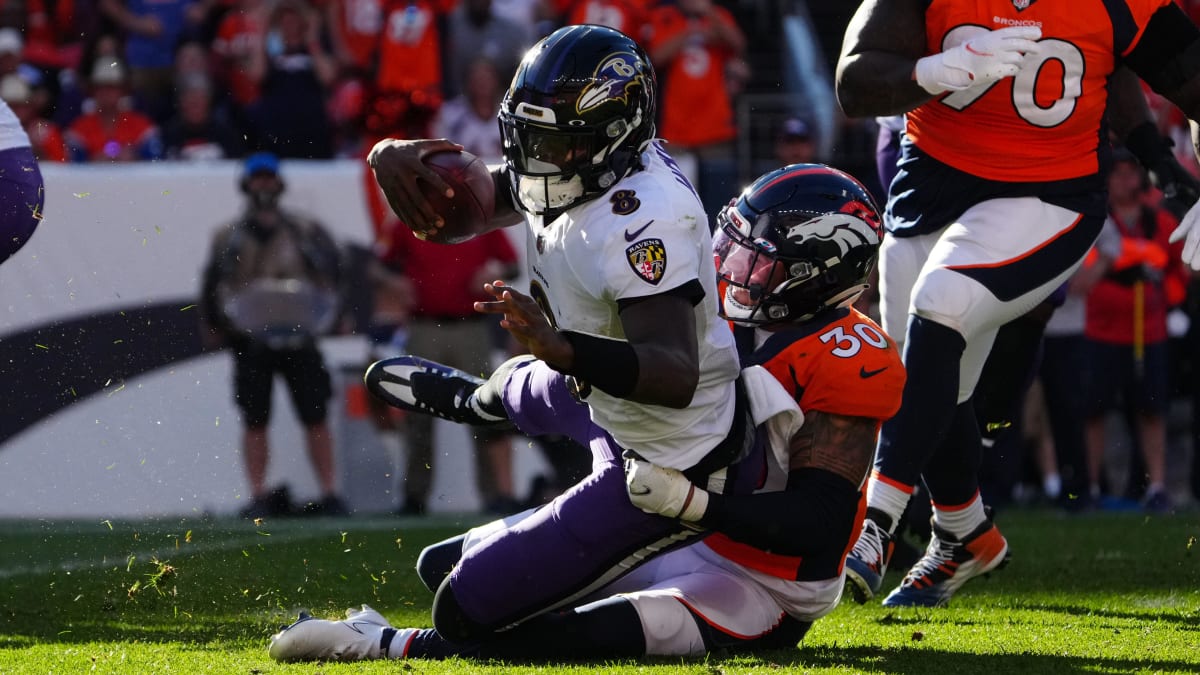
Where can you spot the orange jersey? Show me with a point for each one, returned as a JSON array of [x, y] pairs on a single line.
[[359, 23], [1045, 123], [627, 16], [845, 366], [696, 109], [410, 46]]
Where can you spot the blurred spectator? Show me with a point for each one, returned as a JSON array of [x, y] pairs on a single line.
[[11, 51], [192, 59], [627, 16], [110, 129], [153, 29], [444, 326], [45, 138], [197, 131], [470, 119], [534, 14], [269, 290], [53, 31], [1063, 372], [692, 43], [294, 72], [794, 144], [407, 89], [1126, 328], [354, 30], [473, 30], [238, 42]]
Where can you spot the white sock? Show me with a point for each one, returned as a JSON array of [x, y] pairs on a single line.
[[1052, 485], [889, 496], [962, 519], [398, 646]]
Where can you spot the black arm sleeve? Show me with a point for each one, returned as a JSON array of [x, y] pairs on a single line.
[[814, 515], [1168, 54]]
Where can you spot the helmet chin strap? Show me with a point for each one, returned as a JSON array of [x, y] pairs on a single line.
[[541, 194]]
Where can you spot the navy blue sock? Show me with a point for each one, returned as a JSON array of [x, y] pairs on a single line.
[[932, 355], [952, 472], [609, 629]]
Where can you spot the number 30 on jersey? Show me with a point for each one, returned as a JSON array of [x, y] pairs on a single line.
[[847, 345]]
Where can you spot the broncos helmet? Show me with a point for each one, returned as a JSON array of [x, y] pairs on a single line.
[[797, 241], [577, 116]]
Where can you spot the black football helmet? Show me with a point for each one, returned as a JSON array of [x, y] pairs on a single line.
[[797, 241], [577, 116]]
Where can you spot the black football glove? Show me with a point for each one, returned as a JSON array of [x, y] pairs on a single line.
[[1179, 187]]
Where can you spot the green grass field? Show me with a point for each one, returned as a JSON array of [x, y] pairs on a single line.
[[1098, 593]]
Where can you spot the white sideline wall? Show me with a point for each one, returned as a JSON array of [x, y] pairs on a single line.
[[167, 443]]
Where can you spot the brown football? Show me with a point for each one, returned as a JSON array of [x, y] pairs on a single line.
[[467, 213]]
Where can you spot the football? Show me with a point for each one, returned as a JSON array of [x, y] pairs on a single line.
[[467, 213]]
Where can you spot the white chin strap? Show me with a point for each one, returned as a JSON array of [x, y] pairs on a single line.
[[541, 194]]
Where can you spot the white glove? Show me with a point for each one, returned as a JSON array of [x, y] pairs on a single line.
[[1188, 228], [667, 492], [983, 59]]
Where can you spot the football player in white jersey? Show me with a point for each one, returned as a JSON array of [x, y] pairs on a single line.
[[805, 236], [22, 192], [622, 300]]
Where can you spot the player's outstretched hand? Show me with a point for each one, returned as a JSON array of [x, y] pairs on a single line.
[[398, 168], [985, 58], [658, 489], [524, 319], [1189, 227]]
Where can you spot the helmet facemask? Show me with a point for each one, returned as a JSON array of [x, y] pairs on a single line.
[[556, 167], [753, 278]]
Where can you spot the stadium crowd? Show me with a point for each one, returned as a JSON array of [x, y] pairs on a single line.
[[185, 80]]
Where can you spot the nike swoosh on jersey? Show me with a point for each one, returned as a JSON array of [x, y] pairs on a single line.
[[630, 236], [864, 373]]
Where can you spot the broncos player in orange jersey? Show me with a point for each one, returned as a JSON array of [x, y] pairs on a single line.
[[999, 195], [793, 251]]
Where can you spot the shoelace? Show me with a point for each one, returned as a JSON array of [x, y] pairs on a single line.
[[939, 551], [869, 546]]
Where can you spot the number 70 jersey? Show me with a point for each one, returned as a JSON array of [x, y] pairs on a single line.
[[1044, 124]]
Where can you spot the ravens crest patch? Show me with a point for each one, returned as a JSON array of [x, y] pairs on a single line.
[[648, 258]]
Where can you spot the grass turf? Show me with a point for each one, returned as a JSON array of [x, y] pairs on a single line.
[[1102, 593]]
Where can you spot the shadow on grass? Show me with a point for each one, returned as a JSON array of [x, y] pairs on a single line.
[[1187, 617], [917, 661]]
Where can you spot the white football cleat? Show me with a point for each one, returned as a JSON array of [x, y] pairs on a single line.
[[355, 638]]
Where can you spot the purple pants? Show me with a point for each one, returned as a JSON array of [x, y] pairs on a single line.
[[581, 541], [22, 195]]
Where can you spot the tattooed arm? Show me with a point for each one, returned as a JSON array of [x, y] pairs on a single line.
[[830, 458], [882, 44]]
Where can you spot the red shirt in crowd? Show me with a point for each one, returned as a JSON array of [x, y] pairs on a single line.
[[444, 275], [1112, 306], [121, 141]]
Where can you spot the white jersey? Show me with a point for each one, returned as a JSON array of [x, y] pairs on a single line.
[[12, 134], [647, 235]]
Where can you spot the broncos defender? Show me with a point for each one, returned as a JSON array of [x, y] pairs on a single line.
[[999, 195], [793, 251], [622, 300]]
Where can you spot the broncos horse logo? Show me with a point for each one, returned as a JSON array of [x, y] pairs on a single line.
[[613, 79], [847, 229]]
